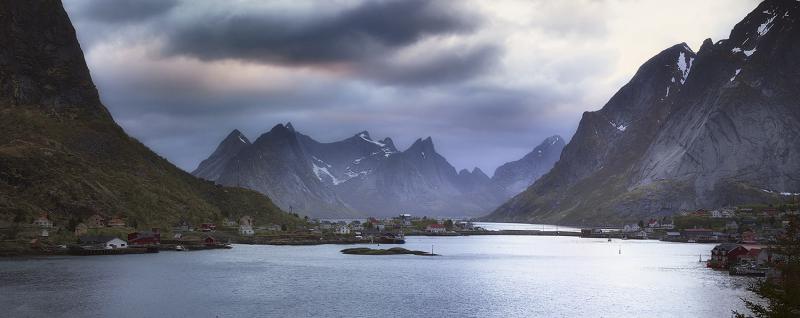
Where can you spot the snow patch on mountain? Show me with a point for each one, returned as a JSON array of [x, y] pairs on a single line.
[[366, 138], [684, 67]]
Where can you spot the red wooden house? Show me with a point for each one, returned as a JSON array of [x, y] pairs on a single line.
[[145, 237], [208, 227], [210, 241], [726, 254]]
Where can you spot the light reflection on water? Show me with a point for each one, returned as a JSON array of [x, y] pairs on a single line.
[[479, 276]]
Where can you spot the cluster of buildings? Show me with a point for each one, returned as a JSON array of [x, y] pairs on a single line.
[[245, 225], [404, 223], [746, 260]]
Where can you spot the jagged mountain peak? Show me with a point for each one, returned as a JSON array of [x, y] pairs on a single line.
[[236, 136], [552, 141], [479, 173], [422, 145], [289, 126]]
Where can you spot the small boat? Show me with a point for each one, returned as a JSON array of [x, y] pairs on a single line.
[[609, 239], [180, 248]]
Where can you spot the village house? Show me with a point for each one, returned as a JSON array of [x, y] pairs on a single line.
[[342, 229], [726, 254], [116, 222], [81, 229], [103, 242], [210, 241], [182, 226], [716, 214], [96, 221], [246, 225], [43, 222], [405, 219], [356, 226], [770, 212], [273, 228], [436, 228], [748, 237], [151, 237], [208, 227], [673, 236], [728, 212], [226, 222], [698, 234], [629, 228]]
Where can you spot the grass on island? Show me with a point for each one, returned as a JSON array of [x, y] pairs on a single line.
[[391, 251]]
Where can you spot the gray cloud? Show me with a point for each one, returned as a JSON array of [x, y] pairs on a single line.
[[370, 29], [438, 67], [121, 11]]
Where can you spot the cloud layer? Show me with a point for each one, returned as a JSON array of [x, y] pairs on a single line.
[[488, 80]]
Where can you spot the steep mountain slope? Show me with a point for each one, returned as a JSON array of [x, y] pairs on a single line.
[[211, 168], [688, 131], [62, 153], [516, 176]]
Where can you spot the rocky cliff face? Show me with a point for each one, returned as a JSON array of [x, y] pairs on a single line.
[[61, 153], [688, 131], [516, 176], [363, 176]]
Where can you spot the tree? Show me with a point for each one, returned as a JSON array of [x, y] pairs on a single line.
[[780, 296], [448, 224]]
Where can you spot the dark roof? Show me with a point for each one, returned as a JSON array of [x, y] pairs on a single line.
[[727, 246], [96, 239]]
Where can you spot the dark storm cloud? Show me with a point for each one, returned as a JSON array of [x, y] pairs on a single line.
[[122, 11], [438, 67], [367, 31]]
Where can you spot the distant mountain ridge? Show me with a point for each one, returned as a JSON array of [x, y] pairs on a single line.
[[361, 176], [719, 127]]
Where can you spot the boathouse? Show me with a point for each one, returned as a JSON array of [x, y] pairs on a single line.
[[102, 242], [726, 254]]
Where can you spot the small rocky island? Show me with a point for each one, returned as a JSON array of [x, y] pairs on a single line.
[[391, 251]]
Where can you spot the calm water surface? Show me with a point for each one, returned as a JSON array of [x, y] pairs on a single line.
[[477, 276]]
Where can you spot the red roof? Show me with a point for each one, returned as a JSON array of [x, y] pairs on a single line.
[[754, 251]]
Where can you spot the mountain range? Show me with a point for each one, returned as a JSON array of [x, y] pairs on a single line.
[[690, 130], [361, 176], [62, 154]]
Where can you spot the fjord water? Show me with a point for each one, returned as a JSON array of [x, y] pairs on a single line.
[[477, 276]]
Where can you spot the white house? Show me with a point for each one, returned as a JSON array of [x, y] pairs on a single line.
[[630, 228], [105, 242], [342, 229], [436, 228], [716, 214], [246, 230], [246, 225]]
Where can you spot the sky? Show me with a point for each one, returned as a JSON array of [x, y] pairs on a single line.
[[488, 80]]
